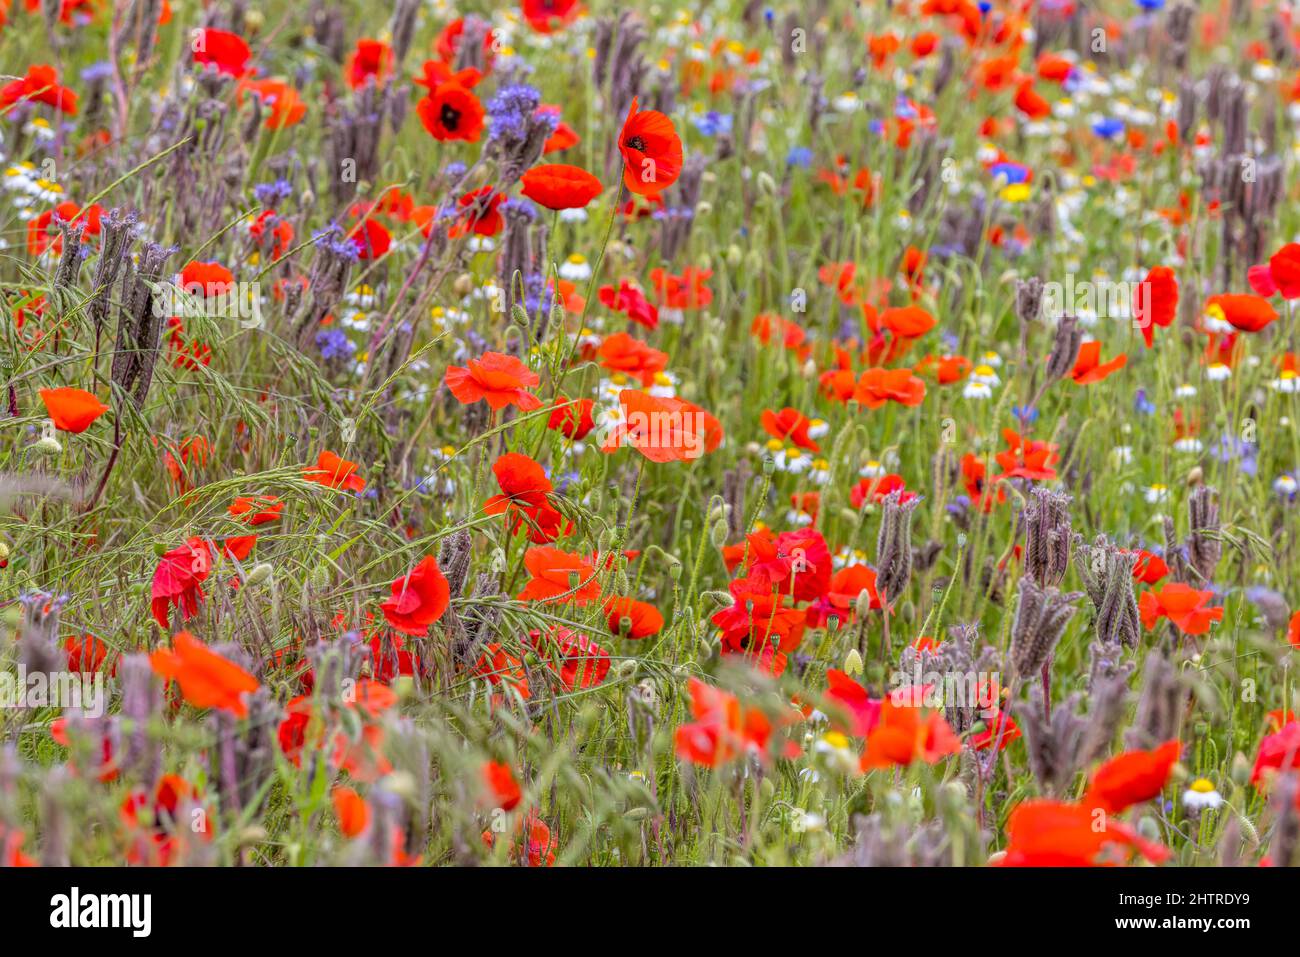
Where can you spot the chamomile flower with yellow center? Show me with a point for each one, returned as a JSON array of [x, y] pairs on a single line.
[[1287, 382], [836, 750], [903, 220], [1188, 445], [39, 129], [362, 296], [1285, 486], [664, 385], [846, 557], [357, 319], [1218, 371], [798, 517], [818, 428], [1122, 455], [1185, 391], [872, 469], [975, 389], [1213, 320], [1201, 795], [986, 375], [819, 471], [575, 268], [847, 102], [1156, 493], [992, 359]]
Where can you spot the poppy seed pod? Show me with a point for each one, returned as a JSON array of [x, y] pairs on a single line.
[[894, 545], [1048, 536], [1041, 617]]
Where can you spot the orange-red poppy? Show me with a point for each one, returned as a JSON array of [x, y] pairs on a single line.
[[206, 679], [1182, 604], [876, 386], [335, 472], [226, 51], [663, 429], [560, 186], [1131, 778], [451, 112], [419, 598], [72, 410], [905, 735], [558, 575], [500, 379], [1089, 368], [639, 618], [652, 151]]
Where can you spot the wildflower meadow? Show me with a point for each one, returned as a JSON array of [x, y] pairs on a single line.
[[639, 435]]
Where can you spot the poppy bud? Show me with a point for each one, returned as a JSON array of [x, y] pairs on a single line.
[[1195, 476], [734, 256], [862, 604], [48, 445], [627, 667], [463, 285], [853, 660], [260, 572]]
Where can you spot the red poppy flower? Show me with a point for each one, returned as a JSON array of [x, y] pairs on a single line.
[[371, 239], [479, 213], [1183, 605], [72, 410], [564, 136], [335, 472], [226, 51], [40, 85], [758, 618], [1149, 568], [371, 58], [1030, 102], [524, 498], [723, 729], [451, 112], [1280, 275], [1089, 368], [419, 599], [789, 425], [642, 619], [907, 322], [848, 584], [877, 386], [437, 72], [206, 280], [631, 302], [652, 151], [1155, 302], [549, 16], [559, 576], [1279, 751], [572, 418], [1131, 778], [352, 811], [1293, 630], [905, 735], [859, 711], [1047, 833], [622, 353], [663, 429], [502, 789], [257, 509], [178, 580], [284, 106], [206, 679], [560, 186], [86, 654], [582, 662], [500, 379], [1026, 458], [1243, 311]]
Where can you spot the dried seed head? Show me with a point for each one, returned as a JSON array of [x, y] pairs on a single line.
[[1066, 342], [1203, 545], [1048, 535], [1041, 617], [894, 545]]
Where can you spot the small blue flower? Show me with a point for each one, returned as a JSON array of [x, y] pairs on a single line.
[[800, 156], [713, 123], [1108, 127]]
